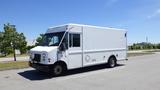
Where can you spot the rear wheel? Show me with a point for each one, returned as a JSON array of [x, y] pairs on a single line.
[[112, 62]]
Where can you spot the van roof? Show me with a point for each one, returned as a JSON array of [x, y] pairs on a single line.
[[83, 25]]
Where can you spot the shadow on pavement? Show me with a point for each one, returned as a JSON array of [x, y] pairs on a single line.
[[37, 75]]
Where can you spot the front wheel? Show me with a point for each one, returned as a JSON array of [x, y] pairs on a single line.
[[112, 62], [57, 70]]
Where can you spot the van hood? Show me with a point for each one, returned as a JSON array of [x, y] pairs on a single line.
[[44, 48]]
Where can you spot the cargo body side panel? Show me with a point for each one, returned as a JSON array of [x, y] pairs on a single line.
[[99, 44]]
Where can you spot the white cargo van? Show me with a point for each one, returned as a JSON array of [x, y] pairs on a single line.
[[73, 46]]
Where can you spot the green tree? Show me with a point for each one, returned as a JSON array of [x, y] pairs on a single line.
[[137, 46], [21, 43], [1, 42], [13, 39], [30, 47], [8, 36], [158, 46], [39, 39]]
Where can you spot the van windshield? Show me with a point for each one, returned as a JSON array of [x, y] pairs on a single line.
[[52, 39]]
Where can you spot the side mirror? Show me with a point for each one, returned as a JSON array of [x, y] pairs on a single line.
[[62, 47]]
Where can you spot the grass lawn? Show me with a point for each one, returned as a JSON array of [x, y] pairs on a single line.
[[13, 65], [11, 55], [157, 50], [139, 54]]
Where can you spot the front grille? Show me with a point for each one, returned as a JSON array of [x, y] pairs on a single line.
[[37, 57]]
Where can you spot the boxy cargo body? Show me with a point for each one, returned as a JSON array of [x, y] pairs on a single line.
[[74, 46]]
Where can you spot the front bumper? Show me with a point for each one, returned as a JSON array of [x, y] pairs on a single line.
[[40, 67]]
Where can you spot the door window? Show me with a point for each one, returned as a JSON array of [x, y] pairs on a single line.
[[74, 40]]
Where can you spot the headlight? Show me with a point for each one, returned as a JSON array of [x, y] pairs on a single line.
[[43, 56]]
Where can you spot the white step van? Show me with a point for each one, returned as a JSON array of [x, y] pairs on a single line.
[[73, 46]]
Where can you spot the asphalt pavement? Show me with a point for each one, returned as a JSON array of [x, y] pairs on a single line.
[[138, 73]]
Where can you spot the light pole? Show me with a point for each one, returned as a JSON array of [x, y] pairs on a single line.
[[13, 42], [13, 51]]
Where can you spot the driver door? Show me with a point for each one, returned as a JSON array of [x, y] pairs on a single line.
[[75, 50]]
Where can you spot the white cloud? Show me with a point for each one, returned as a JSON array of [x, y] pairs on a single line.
[[155, 14]]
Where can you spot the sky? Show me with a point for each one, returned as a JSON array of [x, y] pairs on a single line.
[[141, 18]]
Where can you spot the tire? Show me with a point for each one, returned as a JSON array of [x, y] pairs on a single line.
[[57, 70], [112, 62]]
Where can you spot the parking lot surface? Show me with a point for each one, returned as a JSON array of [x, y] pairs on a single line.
[[138, 73]]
